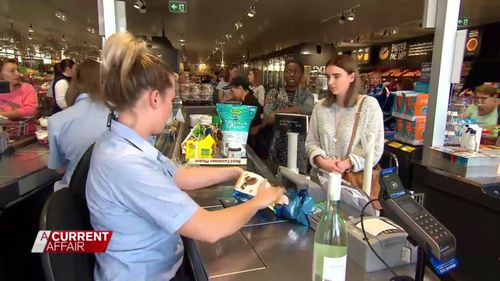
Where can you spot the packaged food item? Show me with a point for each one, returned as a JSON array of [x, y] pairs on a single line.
[[236, 120], [249, 183], [234, 151]]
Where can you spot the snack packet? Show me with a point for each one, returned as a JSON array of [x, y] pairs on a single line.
[[247, 186]]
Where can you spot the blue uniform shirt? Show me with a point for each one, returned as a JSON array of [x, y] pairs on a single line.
[[72, 131], [130, 191]]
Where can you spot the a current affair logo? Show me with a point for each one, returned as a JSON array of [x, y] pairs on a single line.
[[71, 241]]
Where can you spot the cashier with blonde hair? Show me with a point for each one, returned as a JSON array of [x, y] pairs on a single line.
[[135, 191]]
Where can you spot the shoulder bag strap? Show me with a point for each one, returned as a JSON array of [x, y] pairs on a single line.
[[355, 126]]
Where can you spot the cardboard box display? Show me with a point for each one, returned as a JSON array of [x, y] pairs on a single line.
[[415, 130], [416, 104]]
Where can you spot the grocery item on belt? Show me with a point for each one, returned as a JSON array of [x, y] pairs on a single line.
[[236, 120], [249, 183]]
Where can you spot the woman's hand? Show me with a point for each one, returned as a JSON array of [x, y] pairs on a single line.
[[344, 165], [333, 165], [267, 195], [328, 165]]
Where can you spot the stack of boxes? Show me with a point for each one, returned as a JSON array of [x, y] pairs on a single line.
[[410, 112]]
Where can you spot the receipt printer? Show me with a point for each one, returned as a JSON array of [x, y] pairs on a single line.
[[387, 239]]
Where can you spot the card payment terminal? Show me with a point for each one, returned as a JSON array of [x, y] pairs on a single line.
[[424, 228]]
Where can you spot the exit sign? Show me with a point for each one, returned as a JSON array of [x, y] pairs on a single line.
[[177, 6], [463, 21]]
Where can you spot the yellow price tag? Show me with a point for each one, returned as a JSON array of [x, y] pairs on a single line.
[[395, 144], [408, 148]]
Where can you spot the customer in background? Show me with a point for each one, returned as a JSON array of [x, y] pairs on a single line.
[[67, 68], [289, 99], [384, 97], [255, 78], [485, 109], [134, 190], [333, 119], [240, 88], [74, 129], [405, 84], [56, 73], [230, 74], [21, 101]]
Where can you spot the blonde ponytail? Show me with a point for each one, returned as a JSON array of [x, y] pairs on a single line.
[[129, 67]]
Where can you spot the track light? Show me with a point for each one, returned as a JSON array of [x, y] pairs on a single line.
[[238, 25], [251, 13], [140, 4], [143, 10], [342, 19], [350, 16], [30, 29], [63, 38], [228, 36], [29, 36]]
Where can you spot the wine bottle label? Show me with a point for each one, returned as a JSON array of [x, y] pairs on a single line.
[[334, 268]]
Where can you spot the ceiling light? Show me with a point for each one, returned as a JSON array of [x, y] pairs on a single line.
[[342, 19], [251, 12], [182, 40], [394, 31], [238, 25], [60, 15], [143, 10], [30, 29], [350, 16], [351, 41], [29, 36], [228, 36], [63, 38], [245, 65], [139, 4]]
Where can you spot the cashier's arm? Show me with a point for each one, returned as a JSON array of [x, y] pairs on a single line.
[[210, 226], [196, 178]]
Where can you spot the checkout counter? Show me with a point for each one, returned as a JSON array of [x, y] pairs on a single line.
[[25, 184], [267, 248], [470, 208]]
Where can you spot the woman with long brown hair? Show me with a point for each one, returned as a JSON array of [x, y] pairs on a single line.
[[74, 129], [223, 93], [333, 119]]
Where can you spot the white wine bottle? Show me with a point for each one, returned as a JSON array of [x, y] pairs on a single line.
[[330, 240]]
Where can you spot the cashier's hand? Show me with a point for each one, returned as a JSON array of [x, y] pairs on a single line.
[[267, 195], [236, 172]]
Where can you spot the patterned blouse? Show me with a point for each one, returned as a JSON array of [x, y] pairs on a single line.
[[276, 99]]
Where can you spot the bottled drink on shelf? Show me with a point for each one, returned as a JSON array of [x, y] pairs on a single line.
[[330, 240]]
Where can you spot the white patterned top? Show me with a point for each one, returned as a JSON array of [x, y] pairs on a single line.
[[331, 127]]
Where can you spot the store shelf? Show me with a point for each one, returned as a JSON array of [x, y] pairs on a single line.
[[406, 116], [408, 141]]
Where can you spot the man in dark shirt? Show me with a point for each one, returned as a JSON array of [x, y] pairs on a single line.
[[240, 87]]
